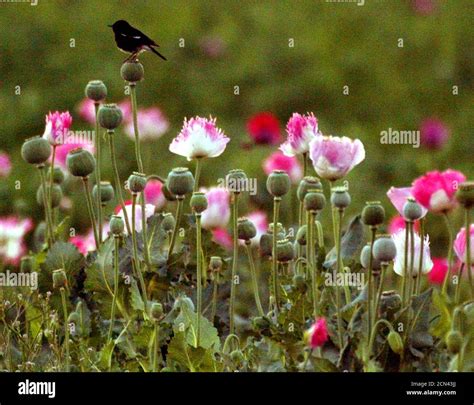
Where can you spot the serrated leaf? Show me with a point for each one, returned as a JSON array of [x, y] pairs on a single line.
[[136, 300], [420, 336], [61, 232]]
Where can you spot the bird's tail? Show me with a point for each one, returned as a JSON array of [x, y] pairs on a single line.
[[157, 53]]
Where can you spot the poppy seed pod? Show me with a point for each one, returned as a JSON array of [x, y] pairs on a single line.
[[278, 183], [236, 181], [59, 278], [198, 202], [168, 222], [454, 341], [385, 249], [110, 116], [308, 183], [80, 162], [58, 175], [156, 311], [180, 181], [107, 192], [285, 251], [132, 71], [96, 90], [364, 259], [56, 195], [246, 229], [167, 194], [412, 210], [373, 213], [465, 194], [340, 198], [215, 263], [136, 182], [390, 301], [301, 235], [314, 200], [395, 342], [117, 225], [36, 150], [265, 245]]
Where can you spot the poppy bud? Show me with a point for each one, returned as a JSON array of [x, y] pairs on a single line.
[[136, 182], [314, 200], [110, 116], [36, 150], [246, 229], [301, 235], [340, 198], [59, 278], [278, 183], [56, 195], [215, 263], [180, 181], [266, 244], [390, 301], [117, 225], [96, 90], [183, 301], [300, 283], [373, 213], [465, 194], [412, 210], [395, 342], [168, 222], [306, 184], [454, 341], [156, 311], [384, 249], [237, 356], [284, 251], [132, 71], [198, 202], [58, 175], [106, 192], [80, 162]]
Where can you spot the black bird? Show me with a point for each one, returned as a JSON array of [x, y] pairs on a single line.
[[130, 40]]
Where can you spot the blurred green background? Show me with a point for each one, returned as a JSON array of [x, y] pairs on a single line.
[[335, 45]]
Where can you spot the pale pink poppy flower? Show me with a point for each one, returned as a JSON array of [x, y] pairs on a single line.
[[398, 197], [301, 130], [149, 211], [397, 223], [260, 220], [222, 237], [12, 233], [86, 243], [333, 157], [5, 164], [279, 161], [58, 125], [152, 124], [86, 110], [217, 213], [199, 138], [460, 244], [436, 190], [398, 267]]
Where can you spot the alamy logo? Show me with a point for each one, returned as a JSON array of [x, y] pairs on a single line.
[[394, 137], [28, 387]]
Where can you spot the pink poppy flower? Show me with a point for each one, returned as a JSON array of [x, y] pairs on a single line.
[[435, 190], [301, 130], [398, 197], [57, 127], [63, 150], [259, 219], [434, 133], [460, 244], [334, 157], [397, 223], [126, 107], [439, 270], [86, 243], [222, 237], [217, 214], [149, 211], [5, 164], [12, 233], [86, 110], [199, 138], [152, 124], [317, 334], [279, 161], [264, 129], [154, 194]]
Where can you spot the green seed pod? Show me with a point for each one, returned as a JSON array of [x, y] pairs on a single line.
[[110, 116], [168, 222], [236, 181], [96, 90], [107, 192], [373, 213], [454, 341], [340, 198], [278, 183], [365, 256], [167, 194], [59, 278], [132, 71], [314, 200], [26, 264], [80, 162], [300, 283], [306, 184], [183, 301], [384, 249], [136, 182], [58, 175], [395, 342], [215, 263], [465, 194], [390, 301], [198, 202], [117, 225], [156, 311], [285, 251], [259, 323], [74, 318], [56, 195], [301, 235], [36, 150], [237, 357], [265, 245], [412, 210], [180, 181], [246, 229]]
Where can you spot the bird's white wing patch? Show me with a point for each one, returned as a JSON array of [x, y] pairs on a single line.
[[137, 37]]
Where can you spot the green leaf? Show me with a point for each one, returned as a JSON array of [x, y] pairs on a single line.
[[64, 255], [62, 229], [443, 323], [136, 300], [420, 336], [105, 355]]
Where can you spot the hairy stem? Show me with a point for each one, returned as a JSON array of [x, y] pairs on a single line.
[[253, 274], [235, 203]]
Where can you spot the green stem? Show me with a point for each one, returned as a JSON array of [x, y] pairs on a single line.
[[420, 266], [199, 278], [136, 260], [116, 283], [66, 326], [90, 208], [51, 182], [146, 248], [468, 249], [450, 250], [118, 184], [47, 213], [305, 164], [276, 209], [373, 230], [214, 297], [308, 355], [412, 263], [380, 289], [98, 155], [197, 175], [309, 258], [235, 204], [156, 346], [138, 156], [338, 271], [457, 294], [374, 332], [253, 274], [405, 263], [179, 209]]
